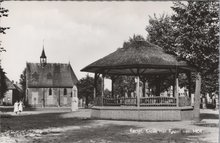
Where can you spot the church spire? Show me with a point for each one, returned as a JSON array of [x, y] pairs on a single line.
[[43, 54], [43, 58]]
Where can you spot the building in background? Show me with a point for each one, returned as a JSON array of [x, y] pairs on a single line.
[[13, 94], [50, 84]]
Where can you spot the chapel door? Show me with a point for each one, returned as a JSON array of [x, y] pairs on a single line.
[[34, 99]]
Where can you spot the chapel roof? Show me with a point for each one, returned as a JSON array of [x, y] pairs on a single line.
[[53, 75]]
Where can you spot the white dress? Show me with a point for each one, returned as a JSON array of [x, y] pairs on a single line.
[[16, 107], [20, 107]]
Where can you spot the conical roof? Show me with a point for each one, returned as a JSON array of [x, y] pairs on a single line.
[[43, 54], [142, 58]]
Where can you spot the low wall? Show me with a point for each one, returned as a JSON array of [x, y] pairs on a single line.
[[142, 113]]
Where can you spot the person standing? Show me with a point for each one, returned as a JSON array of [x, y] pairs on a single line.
[[20, 106], [16, 104]]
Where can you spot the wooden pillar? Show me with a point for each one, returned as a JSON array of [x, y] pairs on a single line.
[[190, 86], [95, 85], [144, 87], [190, 83], [113, 80], [197, 97], [102, 88], [174, 81], [177, 91], [138, 91]]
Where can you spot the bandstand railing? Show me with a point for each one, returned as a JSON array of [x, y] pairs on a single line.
[[144, 101], [158, 101]]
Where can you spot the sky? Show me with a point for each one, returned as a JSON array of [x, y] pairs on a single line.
[[75, 32]]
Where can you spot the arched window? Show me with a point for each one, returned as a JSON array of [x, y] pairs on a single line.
[[50, 91], [64, 91]]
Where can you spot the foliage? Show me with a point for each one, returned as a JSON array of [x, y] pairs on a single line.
[[197, 27], [22, 82], [192, 34], [86, 89], [124, 84], [2, 83], [197, 33], [160, 32], [3, 86], [133, 41], [3, 13], [107, 93]]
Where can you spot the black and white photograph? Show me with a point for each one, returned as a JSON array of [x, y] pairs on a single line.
[[109, 71]]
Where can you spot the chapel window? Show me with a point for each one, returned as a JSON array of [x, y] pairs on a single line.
[[50, 91], [65, 91]]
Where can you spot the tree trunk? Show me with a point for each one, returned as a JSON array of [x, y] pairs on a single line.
[[197, 98]]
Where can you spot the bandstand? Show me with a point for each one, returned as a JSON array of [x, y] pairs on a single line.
[[144, 60]]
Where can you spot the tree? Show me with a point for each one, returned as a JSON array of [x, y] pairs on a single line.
[[22, 82], [161, 32], [3, 86], [192, 34], [197, 33], [132, 42], [124, 84], [107, 93], [3, 13], [197, 30], [86, 89]]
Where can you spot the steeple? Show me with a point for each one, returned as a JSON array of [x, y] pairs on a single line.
[[43, 58]]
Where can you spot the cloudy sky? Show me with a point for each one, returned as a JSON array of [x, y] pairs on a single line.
[[75, 32]]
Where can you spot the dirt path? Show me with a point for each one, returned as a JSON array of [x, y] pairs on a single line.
[[45, 126]]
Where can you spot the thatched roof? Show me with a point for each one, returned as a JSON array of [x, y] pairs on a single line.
[[53, 75], [144, 58]]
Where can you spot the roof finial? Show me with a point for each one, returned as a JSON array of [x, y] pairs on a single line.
[[43, 58], [43, 53]]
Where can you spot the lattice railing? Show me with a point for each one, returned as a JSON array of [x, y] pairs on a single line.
[[144, 101], [157, 101]]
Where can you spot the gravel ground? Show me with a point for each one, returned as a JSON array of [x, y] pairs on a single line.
[[65, 127]]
